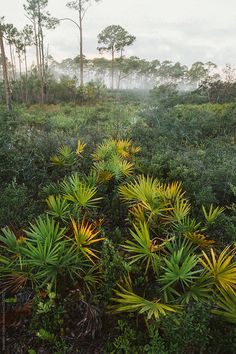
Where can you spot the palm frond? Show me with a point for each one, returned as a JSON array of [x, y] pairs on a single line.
[[85, 235], [128, 301], [213, 213], [227, 307], [58, 207], [221, 269]]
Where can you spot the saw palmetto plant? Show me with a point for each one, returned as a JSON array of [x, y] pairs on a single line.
[[143, 248], [79, 192], [180, 270], [213, 213], [45, 255], [58, 207], [65, 157], [145, 198], [85, 235], [128, 301], [221, 269], [226, 307], [113, 160]]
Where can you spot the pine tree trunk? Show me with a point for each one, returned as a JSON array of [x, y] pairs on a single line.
[[112, 69], [12, 63], [81, 46], [26, 77], [5, 73]]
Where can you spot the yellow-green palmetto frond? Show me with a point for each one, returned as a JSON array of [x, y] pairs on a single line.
[[179, 212], [115, 168], [128, 301], [198, 239], [227, 307], [138, 212], [213, 213], [221, 269], [144, 190], [80, 148], [105, 151], [123, 147], [172, 191], [85, 235], [111, 160]]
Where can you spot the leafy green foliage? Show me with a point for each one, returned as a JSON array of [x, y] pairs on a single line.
[[128, 301]]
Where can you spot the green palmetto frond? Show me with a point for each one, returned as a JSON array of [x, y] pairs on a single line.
[[58, 207], [187, 225], [128, 301], [46, 261], [80, 193], [227, 307], [105, 150], [213, 213], [65, 157], [85, 235], [145, 193], [221, 269], [180, 269], [144, 248], [45, 230], [200, 291], [9, 241]]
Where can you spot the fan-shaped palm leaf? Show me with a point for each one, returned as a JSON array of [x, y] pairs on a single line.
[[128, 301], [45, 230], [80, 148], [85, 235], [58, 207], [221, 269], [145, 249], [180, 269], [80, 193], [212, 214], [227, 307]]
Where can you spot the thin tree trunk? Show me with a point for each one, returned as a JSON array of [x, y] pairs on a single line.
[[5, 73], [12, 63], [81, 45], [41, 54], [21, 86], [26, 76], [112, 68], [36, 45]]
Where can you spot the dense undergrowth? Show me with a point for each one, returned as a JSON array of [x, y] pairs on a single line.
[[118, 227]]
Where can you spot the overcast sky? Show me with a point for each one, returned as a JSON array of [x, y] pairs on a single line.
[[177, 30]]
